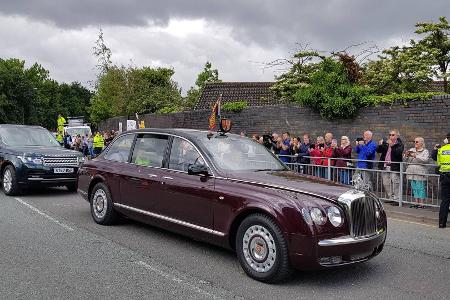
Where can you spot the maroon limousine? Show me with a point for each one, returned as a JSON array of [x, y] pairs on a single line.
[[231, 191]]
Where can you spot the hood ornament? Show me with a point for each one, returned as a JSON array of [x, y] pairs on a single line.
[[358, 182]]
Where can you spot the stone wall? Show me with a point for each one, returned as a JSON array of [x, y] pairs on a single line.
[[429, 119]]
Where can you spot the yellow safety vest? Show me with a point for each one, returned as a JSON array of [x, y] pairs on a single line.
[[98, 141], [443, 159], [61, 121]]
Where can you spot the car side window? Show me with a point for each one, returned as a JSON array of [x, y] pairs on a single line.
[[149, 150], [183, 154], [120, 149]]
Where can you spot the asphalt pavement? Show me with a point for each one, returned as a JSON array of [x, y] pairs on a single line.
[[51, 248]]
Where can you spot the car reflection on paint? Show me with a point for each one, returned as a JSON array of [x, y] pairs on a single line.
[[231, 191]]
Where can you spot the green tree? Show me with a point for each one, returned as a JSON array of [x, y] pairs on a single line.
[[103, 55], [436, 44], [30, 96], [126, 91], [331, 91], [301, 66], [208, 75], [16, 92], [399, 70]]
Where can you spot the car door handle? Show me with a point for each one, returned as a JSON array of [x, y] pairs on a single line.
[[168, 178], [152, 175]]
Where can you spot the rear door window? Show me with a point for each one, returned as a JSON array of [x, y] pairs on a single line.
[[150, 150]]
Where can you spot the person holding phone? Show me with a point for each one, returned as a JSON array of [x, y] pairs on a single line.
[[322, 152], [391, 156], [344, 153], [366, 149], [416, 158], [303, 152]]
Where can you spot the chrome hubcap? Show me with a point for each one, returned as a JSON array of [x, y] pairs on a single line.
[[99, 204], [259, 248], [7, 180]]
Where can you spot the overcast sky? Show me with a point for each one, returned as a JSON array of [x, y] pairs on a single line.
[[235, 35]]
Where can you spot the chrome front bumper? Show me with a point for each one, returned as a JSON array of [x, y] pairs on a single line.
[[347, 240]]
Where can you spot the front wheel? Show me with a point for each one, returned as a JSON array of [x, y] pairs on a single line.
[[102, 210], [9, 180], [262, 249]]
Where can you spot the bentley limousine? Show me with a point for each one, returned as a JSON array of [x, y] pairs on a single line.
[[231, 191]]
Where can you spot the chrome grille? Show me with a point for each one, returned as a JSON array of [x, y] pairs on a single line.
[[60, 161], [363, 219]]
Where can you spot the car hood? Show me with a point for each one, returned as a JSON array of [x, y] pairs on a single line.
[[46, 151], [292, 181]]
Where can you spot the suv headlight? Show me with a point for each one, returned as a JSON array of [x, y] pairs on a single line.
[[334, 215], [81, 160], [29, 159], [317, 216]]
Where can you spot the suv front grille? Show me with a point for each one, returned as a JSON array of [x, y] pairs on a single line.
[[60, 161], [363, 219]]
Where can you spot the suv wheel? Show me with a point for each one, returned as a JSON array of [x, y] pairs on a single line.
[[9, 181]]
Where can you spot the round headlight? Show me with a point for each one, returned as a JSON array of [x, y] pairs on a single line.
[[306, 216], [317, 216], [334, 215]]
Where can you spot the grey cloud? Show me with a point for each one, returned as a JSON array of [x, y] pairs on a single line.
[[329, 24]]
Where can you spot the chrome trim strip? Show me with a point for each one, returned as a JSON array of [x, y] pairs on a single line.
[[269, 185], [169, 219], [347, 240], [51, 179]]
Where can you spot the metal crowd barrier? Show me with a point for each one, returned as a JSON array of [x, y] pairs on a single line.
[[390, 186]]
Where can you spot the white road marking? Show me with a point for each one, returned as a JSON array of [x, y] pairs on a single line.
[[44, 215], [416, 223], [176, 279]]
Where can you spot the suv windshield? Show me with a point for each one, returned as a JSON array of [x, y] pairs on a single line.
[[235, 153], [27, 136]]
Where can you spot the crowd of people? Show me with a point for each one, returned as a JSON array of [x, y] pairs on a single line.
[[327, 150], [89, 145]]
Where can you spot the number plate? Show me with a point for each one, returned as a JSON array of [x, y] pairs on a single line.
[[62, 170]]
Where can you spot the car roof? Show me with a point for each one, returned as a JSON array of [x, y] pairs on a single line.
[[183, 132], [20, 126]]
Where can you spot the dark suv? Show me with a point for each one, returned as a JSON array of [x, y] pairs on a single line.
[[31, 156]]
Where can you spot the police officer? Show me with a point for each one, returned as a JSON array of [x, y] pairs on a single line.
[[442, 156], [98, 143]]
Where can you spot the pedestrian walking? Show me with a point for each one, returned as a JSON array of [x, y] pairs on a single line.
[[416, 158], [391, 157]]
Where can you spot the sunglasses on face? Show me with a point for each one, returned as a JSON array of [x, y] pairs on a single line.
[[416, 142], [392, 134]]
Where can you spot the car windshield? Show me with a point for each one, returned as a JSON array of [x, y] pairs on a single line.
[[82, 131], [27, 136], [235, 153]]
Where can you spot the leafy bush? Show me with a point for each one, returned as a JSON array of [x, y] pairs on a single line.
[[373, 100], [234, 106], [331, 93]]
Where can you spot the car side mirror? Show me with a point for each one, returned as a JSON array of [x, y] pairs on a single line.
[[197, 169]]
